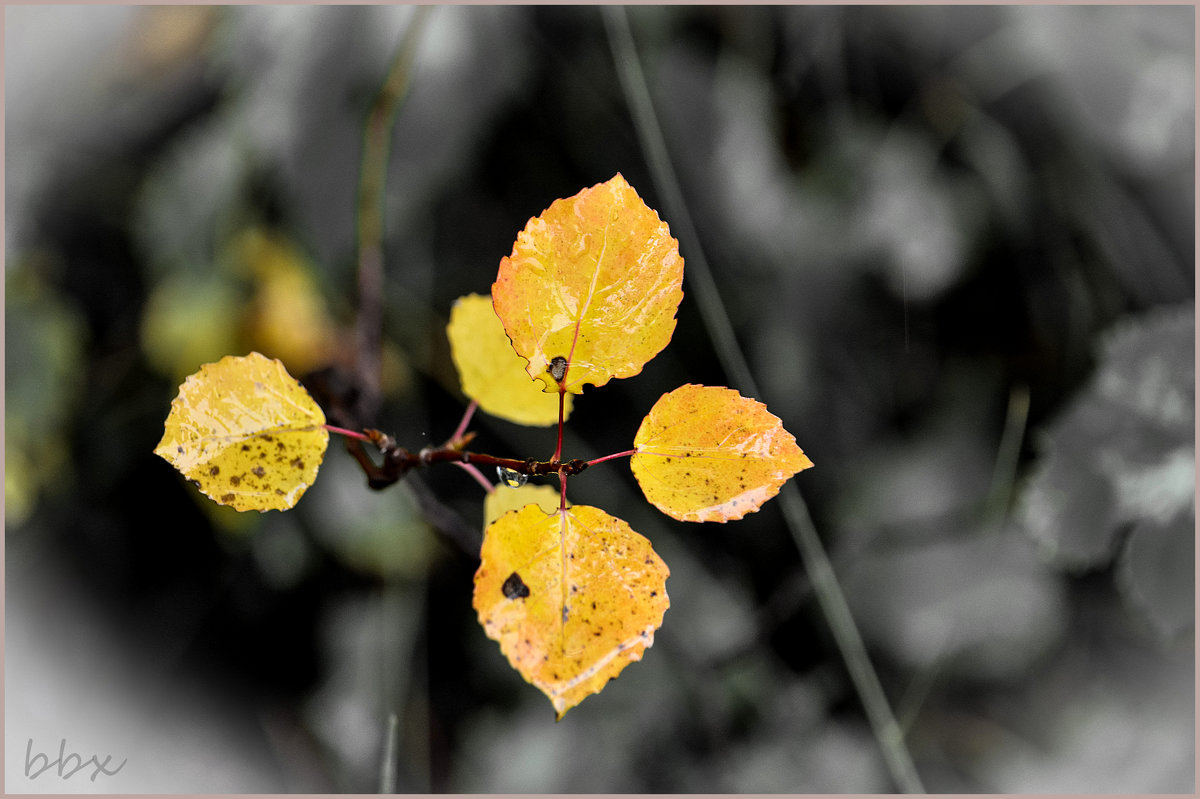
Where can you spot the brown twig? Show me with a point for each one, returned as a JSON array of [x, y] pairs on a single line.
[[397, 461]]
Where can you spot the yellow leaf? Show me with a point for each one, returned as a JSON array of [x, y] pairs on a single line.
[[490, 370], [596, 280], [707, 454], [246, 432], [506, 498], [573, 597]]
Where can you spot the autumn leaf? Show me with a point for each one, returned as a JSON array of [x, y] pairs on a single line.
[[596, 280], [246, 432], [708, 454], [573, 597], [490, 372], [505, 498]]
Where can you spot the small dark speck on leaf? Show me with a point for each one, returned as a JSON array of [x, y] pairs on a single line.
[[259, 471], [514, 587]]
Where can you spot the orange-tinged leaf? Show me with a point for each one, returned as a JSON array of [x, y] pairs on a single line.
[[596, 279], [246, 432], [708, 454], [490, 371], [573, 597]]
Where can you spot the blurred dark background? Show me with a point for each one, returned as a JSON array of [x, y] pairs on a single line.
[[955, 244]]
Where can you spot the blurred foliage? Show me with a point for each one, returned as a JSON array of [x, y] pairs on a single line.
[[1118, 471], [915, 216], [43, 353]]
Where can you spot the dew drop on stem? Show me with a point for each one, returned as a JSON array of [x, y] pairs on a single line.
[[511, 478]]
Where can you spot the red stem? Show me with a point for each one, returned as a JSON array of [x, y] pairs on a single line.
[[562, 393], [350, 433], [624, 454], [466, 420], [470, 469]]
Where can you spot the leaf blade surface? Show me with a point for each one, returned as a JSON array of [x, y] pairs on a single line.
[[705, 453], [491, 372], [246, 432], [596, 279], [572, 597]]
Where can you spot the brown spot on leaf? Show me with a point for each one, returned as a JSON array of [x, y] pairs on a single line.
[[557, 368], [227, 497], [514, 587], [214, 471], [258, 471], [236, 480]]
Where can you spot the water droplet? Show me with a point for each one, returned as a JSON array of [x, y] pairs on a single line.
[[510, 478]]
